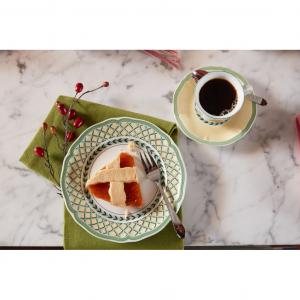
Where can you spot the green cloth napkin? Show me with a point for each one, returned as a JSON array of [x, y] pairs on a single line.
[[76, 237]]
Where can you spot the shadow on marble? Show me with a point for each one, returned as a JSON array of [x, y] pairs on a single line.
[[203, 172], [273, 122]]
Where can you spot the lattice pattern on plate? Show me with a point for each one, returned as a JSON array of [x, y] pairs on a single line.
[[71, 179]]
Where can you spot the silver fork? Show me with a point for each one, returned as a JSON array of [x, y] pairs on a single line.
[[153, 174]]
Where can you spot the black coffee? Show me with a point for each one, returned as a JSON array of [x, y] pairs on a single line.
[[218, 97]]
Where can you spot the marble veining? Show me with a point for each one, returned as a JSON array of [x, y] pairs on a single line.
[[243, 194]]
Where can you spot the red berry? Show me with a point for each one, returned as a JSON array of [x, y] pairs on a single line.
[[105, 84], [39, 151], [53, 130], [70, 136], [62, 109], [78, 122], [45, 126], [72, 114], [78, 87]]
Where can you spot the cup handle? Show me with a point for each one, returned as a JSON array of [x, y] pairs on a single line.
[[254, 98]]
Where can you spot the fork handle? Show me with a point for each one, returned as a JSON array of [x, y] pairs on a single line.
[[177, 224]]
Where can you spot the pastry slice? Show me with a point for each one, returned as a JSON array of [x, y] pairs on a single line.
[[117, 182], [126, 174]]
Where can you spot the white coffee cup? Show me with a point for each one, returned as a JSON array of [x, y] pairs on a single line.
[[240, 97]]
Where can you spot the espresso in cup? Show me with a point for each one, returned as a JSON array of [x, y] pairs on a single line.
[[218, 97]]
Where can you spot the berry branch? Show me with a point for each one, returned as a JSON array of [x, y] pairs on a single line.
[[53, 132], [43, 153], [69, 136]]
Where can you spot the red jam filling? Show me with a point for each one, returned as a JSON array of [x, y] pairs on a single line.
[[132, 189]]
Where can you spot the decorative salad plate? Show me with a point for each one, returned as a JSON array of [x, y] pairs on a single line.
[[93, 149]]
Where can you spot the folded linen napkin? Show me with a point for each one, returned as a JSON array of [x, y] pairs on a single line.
[[76, 237]]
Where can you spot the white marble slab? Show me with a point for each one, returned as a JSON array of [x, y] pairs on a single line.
[[247, 193]]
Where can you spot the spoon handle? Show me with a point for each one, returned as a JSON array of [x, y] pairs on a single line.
[[197, 74], [256, 99]]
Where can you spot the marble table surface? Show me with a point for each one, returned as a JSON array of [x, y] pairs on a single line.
[[244, 194]]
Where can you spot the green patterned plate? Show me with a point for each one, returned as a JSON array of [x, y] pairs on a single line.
[[94, 148]]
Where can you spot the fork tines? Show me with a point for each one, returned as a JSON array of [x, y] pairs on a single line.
[[147, 161], [145, 164]]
